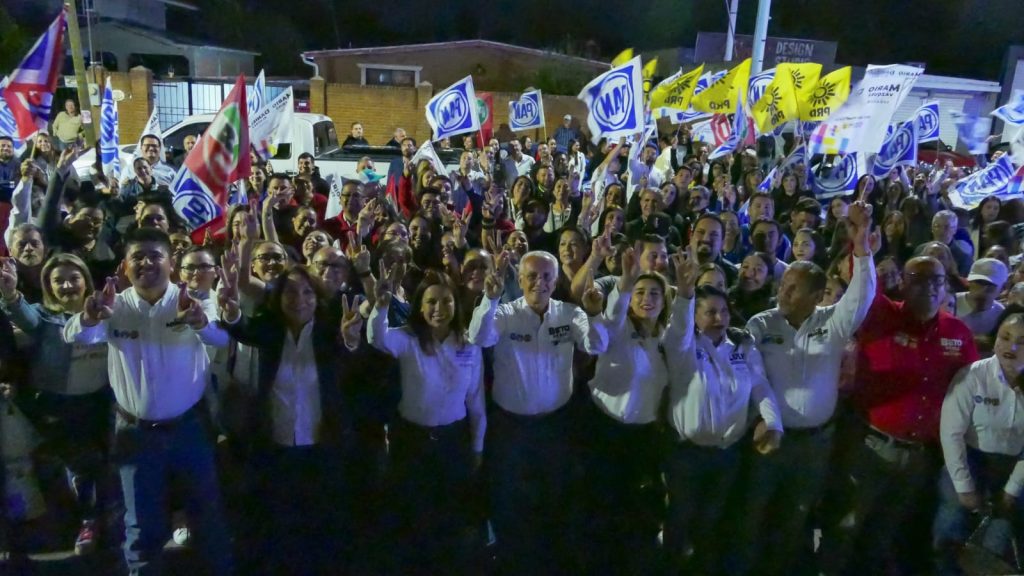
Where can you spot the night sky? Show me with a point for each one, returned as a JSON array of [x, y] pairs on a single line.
[[955, 37]]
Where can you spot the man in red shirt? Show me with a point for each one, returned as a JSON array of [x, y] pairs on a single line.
[[908, 354]]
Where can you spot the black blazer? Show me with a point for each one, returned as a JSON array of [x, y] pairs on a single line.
[[266, 332]]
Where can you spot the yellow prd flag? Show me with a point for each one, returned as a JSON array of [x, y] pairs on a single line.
[[805, 81], [720, 97], [623, 57], [676, 91], [647, 72], [778, 103], [829, 94]]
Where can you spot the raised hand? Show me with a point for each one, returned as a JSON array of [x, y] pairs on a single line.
[[249, 230], [602, 246], [630, 269], [459, 227], [687, 272], [367, 216], [99, 305], [190, 311], [8, 278], [592, 300], [384, 288], [351, 320], [227, 292], [494, 284], [361, 260]]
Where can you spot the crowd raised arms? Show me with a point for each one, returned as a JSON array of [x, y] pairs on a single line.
[[558, 358]]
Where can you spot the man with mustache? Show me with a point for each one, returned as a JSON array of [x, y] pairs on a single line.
[[706, 244]]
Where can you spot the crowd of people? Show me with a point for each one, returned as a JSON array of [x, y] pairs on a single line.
[[556, 359]]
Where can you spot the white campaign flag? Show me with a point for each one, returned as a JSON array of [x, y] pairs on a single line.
[[256, 98], [453, 110], [859, 125], [615, 102], [426, 152], [271, 126], [152, 129]]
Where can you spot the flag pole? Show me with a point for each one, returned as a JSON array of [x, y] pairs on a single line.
[[84, 102], [731, 33], [764, 8]]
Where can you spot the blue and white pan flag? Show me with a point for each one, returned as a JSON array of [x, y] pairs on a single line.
[[927, 118], [898, 149], [256, 98], [192, 201], [994, 180], [973, 131], [453, 110], [840, 181], [1013, 111], [615, 101], [110, 141], [527, 112]]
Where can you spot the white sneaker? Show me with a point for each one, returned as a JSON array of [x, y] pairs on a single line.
[[182, 536]]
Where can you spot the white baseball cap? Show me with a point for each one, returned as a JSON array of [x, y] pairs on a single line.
[[567, 117], [989, 270]]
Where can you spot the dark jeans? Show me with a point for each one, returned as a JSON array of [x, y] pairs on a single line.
[[700, 480], [625, 494], [76, 429], [777, 495], [432, 467], [300, 513], [529, 464], [888, 484], [149, 458], [953, 523]]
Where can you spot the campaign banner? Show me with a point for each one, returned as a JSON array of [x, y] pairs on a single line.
[[859, 124], [674, 93], [993, 180], [927, 118], [758, 85], [703, 132], [453, 110], [722, 95], [829, 94], [272, 124], [839, 181], [527, 112], [615, 101], [899, 149]]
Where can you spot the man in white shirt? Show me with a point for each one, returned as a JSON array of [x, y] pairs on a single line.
[[534, 339], [802, 346], [151, 150], [158, 370], [523, 162]]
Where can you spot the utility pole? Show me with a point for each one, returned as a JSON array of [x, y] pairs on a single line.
[[730, 36], [84, 102], [764, 8]]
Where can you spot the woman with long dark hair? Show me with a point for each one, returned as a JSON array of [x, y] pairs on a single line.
[[752, 292], [437, 441]]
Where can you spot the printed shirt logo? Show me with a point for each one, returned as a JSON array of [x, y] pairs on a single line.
[[772, 339], [951, 346], [130, 334], [986, 401], [520, 337], [559, 334], [819, 333]]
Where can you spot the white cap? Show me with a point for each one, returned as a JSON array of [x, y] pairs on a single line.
[[567, 117], [989, 270]]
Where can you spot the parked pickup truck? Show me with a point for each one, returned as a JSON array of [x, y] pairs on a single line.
[[313, 133]]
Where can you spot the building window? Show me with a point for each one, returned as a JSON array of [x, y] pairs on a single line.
[[389, 75]]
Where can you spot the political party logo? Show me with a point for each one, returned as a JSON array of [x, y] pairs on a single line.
[[824, 94], [721, 128], [525, 111], [482, 111], [799, 78], [774, 96], [841, 179], [194, 204], [614, 107], [453, 108], [928, 121], [220, 146], [758, 85]]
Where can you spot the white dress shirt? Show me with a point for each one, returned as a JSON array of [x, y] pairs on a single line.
[[437, 389], [982, 411], [712, 387], [631, 374], [532, 353], [157, 371], [803, 363], [524, 165], [295, 395]]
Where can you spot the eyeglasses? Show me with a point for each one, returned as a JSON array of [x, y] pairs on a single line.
[[198, 268], [930, 281], [269, 257]]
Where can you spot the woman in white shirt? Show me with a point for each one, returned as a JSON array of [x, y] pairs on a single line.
[[437, 442], [982, 434], [627, 393], [716, 375]]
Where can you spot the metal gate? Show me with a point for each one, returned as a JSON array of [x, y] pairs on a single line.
[[176, 100]]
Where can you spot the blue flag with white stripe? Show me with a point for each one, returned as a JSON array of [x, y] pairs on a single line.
[[898, 149], [452, 111], [615, 101], [109, 139], [927, 118]]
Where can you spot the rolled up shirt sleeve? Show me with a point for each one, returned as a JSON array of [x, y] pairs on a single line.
[[483, 328], [956, 418]]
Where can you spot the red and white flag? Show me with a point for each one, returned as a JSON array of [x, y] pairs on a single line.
[[30, 87]]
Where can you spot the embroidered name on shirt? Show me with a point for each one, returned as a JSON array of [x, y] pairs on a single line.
[[130, 334], [986, 401], [559, 333], [819, 333], [772, 339], [520, 337], [951, 346], [737, 358]]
